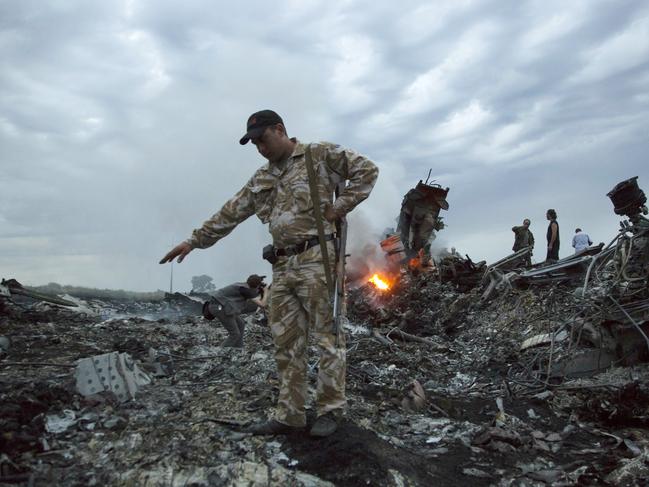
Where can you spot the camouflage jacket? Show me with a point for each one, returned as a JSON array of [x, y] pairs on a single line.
[[279, 195], [523, 238]]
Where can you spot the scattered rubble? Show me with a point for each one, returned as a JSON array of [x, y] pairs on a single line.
[[463, 273]]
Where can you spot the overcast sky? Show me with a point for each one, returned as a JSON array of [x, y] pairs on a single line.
[[120, 121]]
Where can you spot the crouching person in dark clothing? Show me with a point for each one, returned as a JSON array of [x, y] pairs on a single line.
[[229, 303]]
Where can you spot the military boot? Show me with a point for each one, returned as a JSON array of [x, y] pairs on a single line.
[[324, 426], [272, 427]]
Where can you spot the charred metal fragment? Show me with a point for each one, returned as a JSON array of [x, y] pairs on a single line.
[[10, 287]]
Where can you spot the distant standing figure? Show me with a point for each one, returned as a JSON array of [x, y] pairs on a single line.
[[581, 240], [552, 236], [523, 238]]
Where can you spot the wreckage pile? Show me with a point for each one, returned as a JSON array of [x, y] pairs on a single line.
[[443, 387], [518, 379], [571, 336], [549, 371]]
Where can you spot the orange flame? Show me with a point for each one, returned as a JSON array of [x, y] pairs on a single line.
[[414, 262], [379, 283]]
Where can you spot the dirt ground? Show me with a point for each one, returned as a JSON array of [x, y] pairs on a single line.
[[478, 422]]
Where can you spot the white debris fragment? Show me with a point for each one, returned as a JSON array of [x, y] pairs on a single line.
[[114, 372], [259, 356], [434, 439], [82, 306], [476, 472], [461, 381], [543, 395], [544, 339], [58, 423]]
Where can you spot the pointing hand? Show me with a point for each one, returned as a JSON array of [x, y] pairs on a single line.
[[182, 249]]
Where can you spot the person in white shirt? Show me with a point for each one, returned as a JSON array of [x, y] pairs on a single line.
[[581, 241]]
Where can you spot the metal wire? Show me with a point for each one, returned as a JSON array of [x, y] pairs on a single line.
[[595, 259], [640, 330]]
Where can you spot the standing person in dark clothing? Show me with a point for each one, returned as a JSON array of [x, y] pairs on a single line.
[[552, 236], [228, 303]]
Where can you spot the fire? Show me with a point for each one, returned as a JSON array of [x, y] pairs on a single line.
[[380, 284], [418, 262], [414, 263]]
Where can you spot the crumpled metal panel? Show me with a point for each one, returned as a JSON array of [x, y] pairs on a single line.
[[114, 372], [4, 291], [560, 265], [511, 257]]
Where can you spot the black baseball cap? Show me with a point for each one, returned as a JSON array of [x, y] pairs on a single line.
[[255, 280], [257, 123]]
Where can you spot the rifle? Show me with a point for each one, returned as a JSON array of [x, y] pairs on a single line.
[[341, 249]]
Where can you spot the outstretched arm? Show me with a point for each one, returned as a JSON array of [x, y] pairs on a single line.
[[236, 210]]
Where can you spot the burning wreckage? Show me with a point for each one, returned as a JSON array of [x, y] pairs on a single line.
[[458, 372]]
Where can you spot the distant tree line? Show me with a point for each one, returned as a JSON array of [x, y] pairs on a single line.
[[89, 292]]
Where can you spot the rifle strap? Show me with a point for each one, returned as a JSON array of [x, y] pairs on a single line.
[[315, 199]]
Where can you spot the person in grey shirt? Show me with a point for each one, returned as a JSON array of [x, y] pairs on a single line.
[[230, 302], [581, 240]]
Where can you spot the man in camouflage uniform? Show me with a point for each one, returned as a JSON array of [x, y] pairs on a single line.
[[419, 217], [523, 238], [278, 193]]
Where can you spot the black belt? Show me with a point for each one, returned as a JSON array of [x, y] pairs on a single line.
[[301, 247]]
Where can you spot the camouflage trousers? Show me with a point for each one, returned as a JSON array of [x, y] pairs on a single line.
[[422, 231], [416, 232], [299, 306]]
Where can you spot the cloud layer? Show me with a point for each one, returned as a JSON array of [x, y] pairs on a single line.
[[119, 121]]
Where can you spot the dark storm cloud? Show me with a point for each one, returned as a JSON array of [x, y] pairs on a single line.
[[119, 120]]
